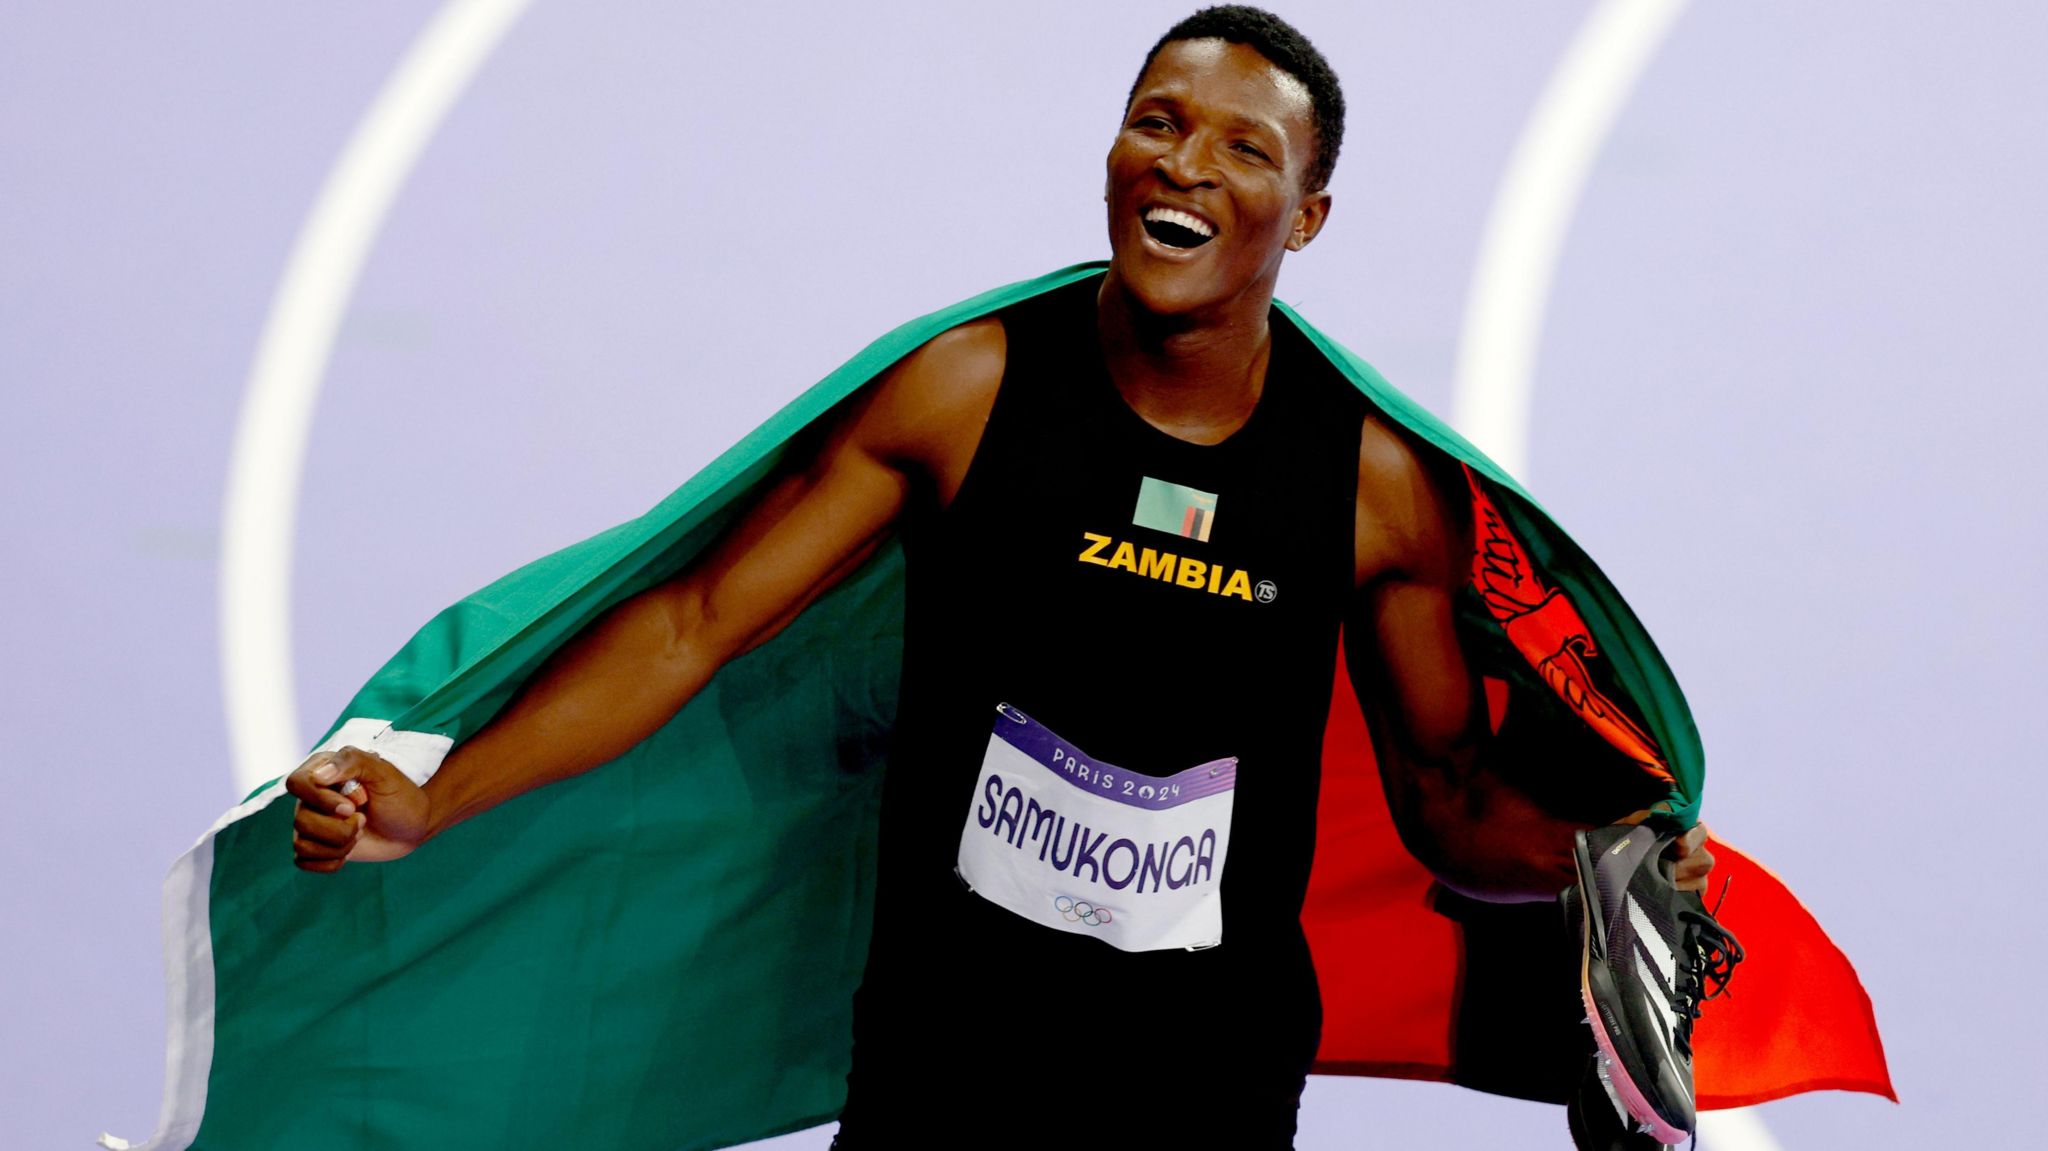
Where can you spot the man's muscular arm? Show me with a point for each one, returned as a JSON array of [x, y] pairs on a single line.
[[1425, 706], [622, 677]]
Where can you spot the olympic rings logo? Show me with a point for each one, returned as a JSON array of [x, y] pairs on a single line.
[[1080, 911]]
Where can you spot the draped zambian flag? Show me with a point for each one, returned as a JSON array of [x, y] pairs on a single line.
[[662, 952]]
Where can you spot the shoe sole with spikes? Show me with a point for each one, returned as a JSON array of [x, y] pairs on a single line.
[[1594, 1113]]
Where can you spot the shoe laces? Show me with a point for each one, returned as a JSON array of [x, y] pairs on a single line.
[[1709, 955]]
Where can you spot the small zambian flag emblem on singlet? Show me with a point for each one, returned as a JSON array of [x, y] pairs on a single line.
[[1172, 508]]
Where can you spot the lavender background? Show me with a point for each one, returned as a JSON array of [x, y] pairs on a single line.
[[1786, 392]]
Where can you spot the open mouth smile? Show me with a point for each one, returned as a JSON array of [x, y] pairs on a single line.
[[1174, 228]]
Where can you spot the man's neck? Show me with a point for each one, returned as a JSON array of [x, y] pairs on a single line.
[[1196, 378]]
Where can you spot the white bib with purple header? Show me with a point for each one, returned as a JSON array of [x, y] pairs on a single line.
[[1081, 846]]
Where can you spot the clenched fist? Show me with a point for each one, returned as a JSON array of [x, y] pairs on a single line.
[[353, 805]]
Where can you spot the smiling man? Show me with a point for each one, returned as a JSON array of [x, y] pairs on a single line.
[[1137, 512]]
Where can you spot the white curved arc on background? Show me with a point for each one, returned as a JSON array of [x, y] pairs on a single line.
[[1737, 1129], [268, 458], [1493, 389], [1532, 214]]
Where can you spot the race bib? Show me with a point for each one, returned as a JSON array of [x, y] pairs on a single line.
[[1082, 846]]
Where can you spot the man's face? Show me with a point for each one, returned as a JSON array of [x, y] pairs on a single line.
[[1219, 134]]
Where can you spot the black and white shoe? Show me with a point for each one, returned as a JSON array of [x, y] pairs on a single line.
[[1647, 950]]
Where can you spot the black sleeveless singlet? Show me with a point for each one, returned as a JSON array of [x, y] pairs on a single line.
[[1010, 599]]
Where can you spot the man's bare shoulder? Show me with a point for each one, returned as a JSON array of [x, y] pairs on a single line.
[[957, 367], [927, 410], [1410, 522]]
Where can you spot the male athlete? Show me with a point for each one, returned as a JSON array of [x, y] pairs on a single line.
[[1136, 512]]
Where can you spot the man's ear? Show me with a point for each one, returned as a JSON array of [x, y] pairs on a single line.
[[1309, 219]]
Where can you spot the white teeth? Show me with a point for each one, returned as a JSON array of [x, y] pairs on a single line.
[[1192, 223]]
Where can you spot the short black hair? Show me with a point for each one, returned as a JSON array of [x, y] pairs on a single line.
[[1288, 50]]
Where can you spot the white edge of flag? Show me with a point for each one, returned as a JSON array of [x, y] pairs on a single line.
[[188, 929]]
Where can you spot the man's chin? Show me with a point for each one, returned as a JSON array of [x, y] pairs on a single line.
[[1165, 289]]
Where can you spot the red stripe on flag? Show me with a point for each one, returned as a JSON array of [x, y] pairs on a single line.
[[1796, 1018], [1387, 965]]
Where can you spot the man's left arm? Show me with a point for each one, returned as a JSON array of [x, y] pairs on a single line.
[[1439, 760]]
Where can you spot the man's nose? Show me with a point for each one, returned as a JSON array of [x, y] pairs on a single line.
[[1188, 163]]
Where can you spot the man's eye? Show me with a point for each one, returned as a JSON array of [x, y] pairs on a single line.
[[1249, 150], [1151, 122]]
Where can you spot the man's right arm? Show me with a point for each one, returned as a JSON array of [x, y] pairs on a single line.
[[622, 677]]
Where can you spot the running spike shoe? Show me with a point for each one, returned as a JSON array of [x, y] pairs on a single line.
[[1647, 951], [1594, 1112]]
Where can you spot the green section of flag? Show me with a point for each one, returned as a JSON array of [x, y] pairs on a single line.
[[1175, 508], [659, 953]]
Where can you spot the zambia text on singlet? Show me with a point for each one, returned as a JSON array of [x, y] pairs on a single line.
[[1102, 599]]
